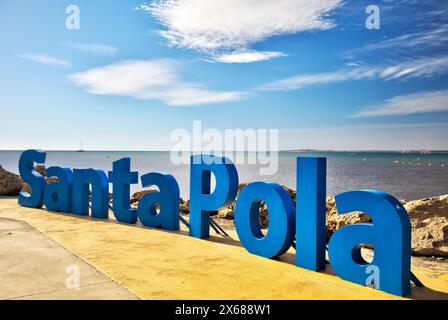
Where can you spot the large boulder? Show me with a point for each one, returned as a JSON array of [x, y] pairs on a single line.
[[137, 196], [429, 220], [228, 213], [10, 183], [40, 168], [336, 221], [184, 206]]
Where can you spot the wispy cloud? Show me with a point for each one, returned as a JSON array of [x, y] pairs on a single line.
[[417, 41], [95, 48], [434, 37], [425, 102], [418, 68], [248, 56], [306, 80], [419, 13], [149, 80], [225, 28], [45, 59]]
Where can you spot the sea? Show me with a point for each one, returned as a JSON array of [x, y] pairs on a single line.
[[407, 176]]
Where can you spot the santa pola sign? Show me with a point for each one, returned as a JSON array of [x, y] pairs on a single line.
[[389, 233]]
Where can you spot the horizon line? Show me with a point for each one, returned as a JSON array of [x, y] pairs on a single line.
[[404, 151]]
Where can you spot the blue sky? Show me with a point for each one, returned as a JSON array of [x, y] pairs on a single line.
[[137, 70]]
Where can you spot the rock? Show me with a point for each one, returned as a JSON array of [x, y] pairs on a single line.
[[26, 188], [184, 206], [10, 183], [429, 220], [263, 218], [41, 169], [226, 213], [136, 197], [336, 221], [52, 180]]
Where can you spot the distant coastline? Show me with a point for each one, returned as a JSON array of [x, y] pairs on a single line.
[[285, 150], [363, 151]]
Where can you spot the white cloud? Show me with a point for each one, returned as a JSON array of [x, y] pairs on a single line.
[[44, 59], [149, 80], [217, 26], [143, 7], [95, 48], [298, 82], [435, 101], [422, 40], [419, 68], [248, 56]]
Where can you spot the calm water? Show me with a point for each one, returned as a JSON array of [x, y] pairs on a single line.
[[406, 176]]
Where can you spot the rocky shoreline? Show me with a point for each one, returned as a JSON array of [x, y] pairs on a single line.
[[429, 217]]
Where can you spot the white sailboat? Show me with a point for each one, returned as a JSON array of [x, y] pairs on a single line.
[[81, 150]]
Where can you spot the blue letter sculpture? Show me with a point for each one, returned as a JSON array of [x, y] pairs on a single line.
[[58, 195], [168, 199], [33, 178], [390, 233], [311, 213], [281, 219], [201, 201], [121, 178], [82, 178]]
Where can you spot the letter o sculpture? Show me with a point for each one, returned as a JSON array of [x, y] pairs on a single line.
[[281, 230]]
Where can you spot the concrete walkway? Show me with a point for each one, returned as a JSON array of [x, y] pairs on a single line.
[[35, 267], [156, 264]]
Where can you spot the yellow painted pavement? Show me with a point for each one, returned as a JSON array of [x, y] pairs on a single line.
[[156, 264]]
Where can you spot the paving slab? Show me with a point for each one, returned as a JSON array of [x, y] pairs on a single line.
[[35, 267]]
